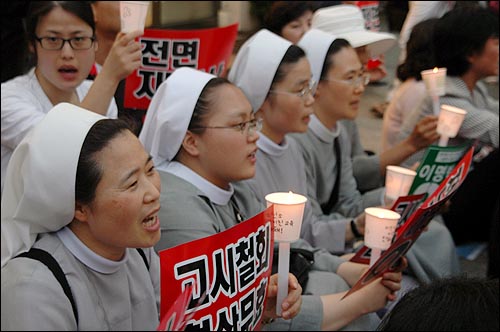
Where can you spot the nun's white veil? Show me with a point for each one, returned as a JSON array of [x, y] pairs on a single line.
[[39, 193], [316, 44], [170, 112], [256, 64]]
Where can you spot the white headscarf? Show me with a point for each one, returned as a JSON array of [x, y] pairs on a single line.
[[39, 193], [170, 112], [256, 64], [316, 44]]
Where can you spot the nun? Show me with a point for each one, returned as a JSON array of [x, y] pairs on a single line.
[[341, 82], [203, 132], [81, 194], [281, 88]]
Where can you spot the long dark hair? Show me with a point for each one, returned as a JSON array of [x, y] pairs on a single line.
[[419, 51]]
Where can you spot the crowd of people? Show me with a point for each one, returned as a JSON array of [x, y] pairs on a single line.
[[92, 192]]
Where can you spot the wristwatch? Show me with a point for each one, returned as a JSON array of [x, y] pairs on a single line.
[[355, 231]]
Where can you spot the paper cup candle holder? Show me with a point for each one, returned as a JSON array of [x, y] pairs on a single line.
[[288, 213]]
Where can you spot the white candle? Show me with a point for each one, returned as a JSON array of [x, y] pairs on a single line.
[[133, 15], [288, 213], [398, 181], [380, 225], [449, 122], [434, 80]]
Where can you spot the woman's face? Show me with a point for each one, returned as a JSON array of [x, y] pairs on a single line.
[[339, 93], [124, 211], [284, 110], [227, 154], [486, 62], [61, 71], [294, 30]]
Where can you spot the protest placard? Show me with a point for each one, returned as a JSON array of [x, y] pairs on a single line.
[[232, 268]]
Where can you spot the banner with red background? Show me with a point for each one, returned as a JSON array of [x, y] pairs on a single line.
[[228, 272], [164, 50]]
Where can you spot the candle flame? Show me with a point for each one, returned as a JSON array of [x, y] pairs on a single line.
[[290, 192], [435, 70]]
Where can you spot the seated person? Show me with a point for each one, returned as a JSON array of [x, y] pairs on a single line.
[[81, 189], [194, 122]]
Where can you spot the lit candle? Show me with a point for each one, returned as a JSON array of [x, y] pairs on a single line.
[[434, 80], [288, 213], [398, 181], [449, 122], [380, 225]]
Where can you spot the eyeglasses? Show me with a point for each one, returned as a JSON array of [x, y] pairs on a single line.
[[248, 127], [355, 82], [302, 93], [56, 43]]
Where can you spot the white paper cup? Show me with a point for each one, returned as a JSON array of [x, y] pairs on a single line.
[[133, 15], [450, 120], [434, 80], [288, 213], [398, 181], [380, 225]]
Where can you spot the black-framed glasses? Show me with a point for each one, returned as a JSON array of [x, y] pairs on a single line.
[[57, 43], [302, 93], [355, 82], [248, 127]]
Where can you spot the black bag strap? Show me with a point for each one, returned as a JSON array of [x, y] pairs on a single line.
[[143, 255], [334, 196], [55, 268]]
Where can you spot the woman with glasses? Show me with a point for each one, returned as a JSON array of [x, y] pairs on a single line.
[[61, 36], [280, 89], [326, 145], [202, 134]]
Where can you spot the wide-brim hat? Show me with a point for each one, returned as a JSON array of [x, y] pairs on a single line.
[[347, 21]]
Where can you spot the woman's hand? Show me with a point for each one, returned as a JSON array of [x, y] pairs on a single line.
[[124, 57], [290, 306]]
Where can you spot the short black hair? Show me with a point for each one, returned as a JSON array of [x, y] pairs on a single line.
[[448, 304], [460, 33], [284, 12]]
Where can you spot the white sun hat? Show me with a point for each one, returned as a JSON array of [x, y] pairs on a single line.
[[347, 21]]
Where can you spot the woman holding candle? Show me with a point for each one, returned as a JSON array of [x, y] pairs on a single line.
[[465, 42], [341, 83], [412, 89], [369, 168], [195, 121], [61, 35]]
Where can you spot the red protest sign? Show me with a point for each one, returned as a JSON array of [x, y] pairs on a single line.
[[408, 233], [163, 51], [231, 268]]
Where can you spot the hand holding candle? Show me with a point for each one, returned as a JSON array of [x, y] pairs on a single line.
[[288, 213], [380, 225]]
